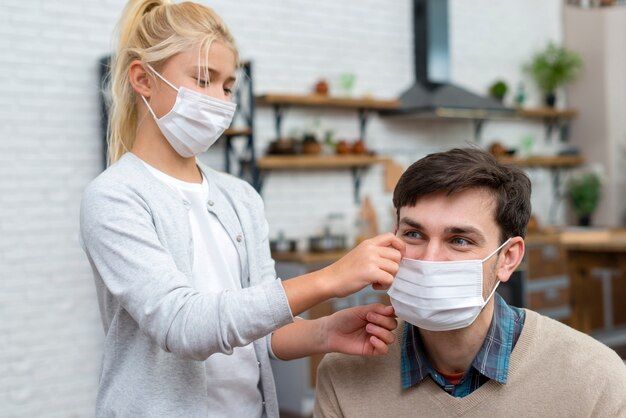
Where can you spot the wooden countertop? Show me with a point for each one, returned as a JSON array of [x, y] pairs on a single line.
[[582, 239], [594, 239], [305, 257]]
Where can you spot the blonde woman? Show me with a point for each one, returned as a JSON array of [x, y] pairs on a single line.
[[190, 302]]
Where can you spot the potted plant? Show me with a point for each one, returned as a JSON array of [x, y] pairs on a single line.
[[583, 191], [498, 90], [552, 68]]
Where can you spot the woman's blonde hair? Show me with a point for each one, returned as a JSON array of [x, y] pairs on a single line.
[[153, 31]]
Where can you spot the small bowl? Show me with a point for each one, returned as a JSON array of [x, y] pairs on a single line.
[[327, 243], [283, 246]]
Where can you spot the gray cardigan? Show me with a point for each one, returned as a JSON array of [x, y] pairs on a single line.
[[158, 329]]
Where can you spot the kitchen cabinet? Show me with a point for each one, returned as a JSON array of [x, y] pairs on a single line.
[[578, 276], [546, 281], [597, 268]]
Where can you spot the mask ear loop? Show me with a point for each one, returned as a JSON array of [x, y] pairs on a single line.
[[492, 292], [149, 108], [495, 251], [161, 77], [165, 81], [497, 281]]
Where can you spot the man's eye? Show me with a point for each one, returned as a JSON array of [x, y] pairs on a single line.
[[412, 234], [461, 241]]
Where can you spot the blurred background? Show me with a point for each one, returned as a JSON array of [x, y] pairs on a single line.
[[335, 100]]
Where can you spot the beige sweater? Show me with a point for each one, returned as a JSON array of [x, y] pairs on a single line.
[[554, 371]]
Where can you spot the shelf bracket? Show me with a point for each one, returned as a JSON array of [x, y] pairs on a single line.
[[478, 128], [246, 159], [278, 119], [363, 116], [564, 131], [563, 127], [357, 174]]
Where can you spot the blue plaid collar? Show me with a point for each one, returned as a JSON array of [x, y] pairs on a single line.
[[491, 362]]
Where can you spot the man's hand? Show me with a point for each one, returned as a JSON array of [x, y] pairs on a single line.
[[362, 330]]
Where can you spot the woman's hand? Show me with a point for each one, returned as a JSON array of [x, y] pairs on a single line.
[[374, 261], [362, 330]]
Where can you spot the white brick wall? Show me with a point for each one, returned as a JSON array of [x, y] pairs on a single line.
[[50, 147]]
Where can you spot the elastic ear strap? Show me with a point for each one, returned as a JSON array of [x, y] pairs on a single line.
[[161, 77], [149, 108], [493, 291], [496, 250]]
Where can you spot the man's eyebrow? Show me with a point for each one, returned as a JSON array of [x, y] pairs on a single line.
[[410, 222], [460, 229], [466, 230]]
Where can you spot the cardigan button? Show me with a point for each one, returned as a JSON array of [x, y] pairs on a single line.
[[211, 203], [239, 238]]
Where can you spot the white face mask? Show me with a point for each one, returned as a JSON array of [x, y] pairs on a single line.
[[440, 295], [195, 122]]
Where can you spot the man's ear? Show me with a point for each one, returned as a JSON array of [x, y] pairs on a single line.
[[510, 258], [139, 78]]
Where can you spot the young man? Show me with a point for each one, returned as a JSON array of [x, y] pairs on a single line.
[[460, 349]]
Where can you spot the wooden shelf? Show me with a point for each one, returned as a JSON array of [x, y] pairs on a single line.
[[546, 113], [307, 162], [544, 161], [318, 100], [551, 118], [237, 132], [306, 257], [484, 114]]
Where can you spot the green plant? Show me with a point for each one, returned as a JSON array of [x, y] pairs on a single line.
[[584, 193], [498, 90], [553, 67]]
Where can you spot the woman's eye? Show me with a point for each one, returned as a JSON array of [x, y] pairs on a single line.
[[228, 92], [202, 82]]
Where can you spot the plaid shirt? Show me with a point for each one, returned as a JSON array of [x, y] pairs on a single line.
[[491, 362]]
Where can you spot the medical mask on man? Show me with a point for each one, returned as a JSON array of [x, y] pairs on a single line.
[[195, 122], [440, 295]]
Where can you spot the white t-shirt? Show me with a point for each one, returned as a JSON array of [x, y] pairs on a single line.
[[232, 380]]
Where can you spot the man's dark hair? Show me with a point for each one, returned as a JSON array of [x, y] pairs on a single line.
[[467, 168]]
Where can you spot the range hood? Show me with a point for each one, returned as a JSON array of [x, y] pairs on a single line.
[[431, 91]]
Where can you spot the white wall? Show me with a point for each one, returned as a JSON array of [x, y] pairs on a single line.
[[50, 147], [600, 94]]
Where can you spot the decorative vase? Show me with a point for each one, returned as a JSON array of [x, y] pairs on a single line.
[[584, 220], [550, 99]]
